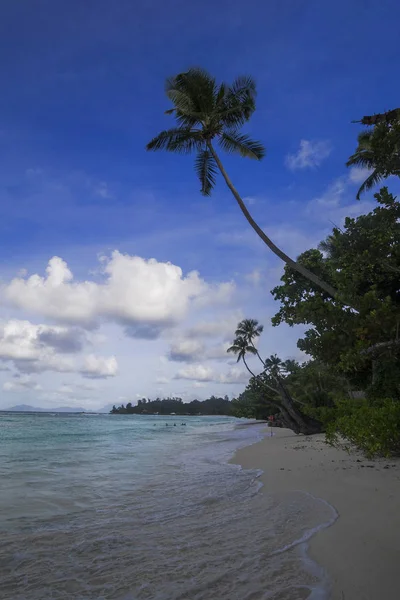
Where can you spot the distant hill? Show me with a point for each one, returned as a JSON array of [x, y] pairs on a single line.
[[28, 408], [60, 409]]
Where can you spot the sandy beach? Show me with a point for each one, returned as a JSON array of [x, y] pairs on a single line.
[[360, 552]]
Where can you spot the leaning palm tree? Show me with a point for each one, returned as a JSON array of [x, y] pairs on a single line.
[[270, 381], [241, 347], [250, 329], [206, 113]]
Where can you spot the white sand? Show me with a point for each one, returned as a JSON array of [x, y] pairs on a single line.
[[361, 551]]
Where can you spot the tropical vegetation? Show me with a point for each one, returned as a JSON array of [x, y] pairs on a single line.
[[345, 293], [166, 406], [351, 384]]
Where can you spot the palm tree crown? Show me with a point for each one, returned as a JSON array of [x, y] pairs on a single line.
[[205, 111], [249, 329], [241, 347], [378, 150], [273, 364], [364, 157]]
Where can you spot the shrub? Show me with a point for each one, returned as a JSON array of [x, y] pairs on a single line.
[[373, 429]]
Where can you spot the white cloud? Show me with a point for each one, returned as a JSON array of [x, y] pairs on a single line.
[[310, 154], [102, 190], [145, 296], [359, 174], [186, 350], [190, 350], [37, 348], [254, 277], [333, 204], [332, 196], [162, 380], [202, 373], [99, 367], [21, 384], [224, 327]]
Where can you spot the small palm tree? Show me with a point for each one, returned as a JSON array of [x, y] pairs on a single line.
[[274, 365], [241, 347], [291, 366], [250, 329], [205, 113]]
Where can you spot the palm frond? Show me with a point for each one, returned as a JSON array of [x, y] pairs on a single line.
[[243, 87], [249, 329], [206, 169], [241, 94], [183, 99], [195, 90], [180, 140], [232, 141], [372, 180], [364, 155], [220, 95]]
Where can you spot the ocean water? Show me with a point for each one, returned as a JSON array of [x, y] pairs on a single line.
[[118, 507]]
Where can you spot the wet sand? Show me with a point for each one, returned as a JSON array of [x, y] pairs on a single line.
[[361, 550]]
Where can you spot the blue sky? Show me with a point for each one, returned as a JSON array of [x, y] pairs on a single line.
[[82, 94]]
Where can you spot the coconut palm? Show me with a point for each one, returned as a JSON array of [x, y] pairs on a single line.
[[274, 365], [365, 157], [378, 148], [270, 380], [205, 113], [250, 329], [241, 347]]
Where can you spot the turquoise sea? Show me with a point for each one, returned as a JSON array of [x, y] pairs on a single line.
[[123, 507]]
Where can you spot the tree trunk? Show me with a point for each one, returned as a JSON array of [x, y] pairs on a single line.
[[292, 417], [331, 291], [306, 424]]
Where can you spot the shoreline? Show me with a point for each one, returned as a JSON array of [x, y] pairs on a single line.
[[360, 550]]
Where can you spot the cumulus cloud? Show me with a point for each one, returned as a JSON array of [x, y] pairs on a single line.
[[62, 339], [99, 367], [145, 296], [224, 327], [202, 373], [21, 384], [191, 350], [310, 155], [186, 350], [37, 348]]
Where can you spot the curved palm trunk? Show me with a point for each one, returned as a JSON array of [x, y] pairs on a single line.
[[306, 424], [293, 419], [277, 251], [288, 420]]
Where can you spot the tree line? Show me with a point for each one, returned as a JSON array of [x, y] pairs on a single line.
[[211, 406]]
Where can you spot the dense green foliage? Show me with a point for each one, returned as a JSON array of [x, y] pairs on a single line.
[[373, 429], [359, 348], [363, 260], [168, 406]]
